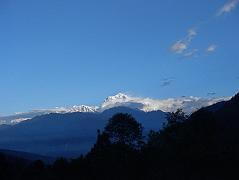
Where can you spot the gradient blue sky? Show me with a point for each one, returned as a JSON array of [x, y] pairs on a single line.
[[66, 52]]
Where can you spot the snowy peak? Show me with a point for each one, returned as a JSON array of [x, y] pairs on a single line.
[[84, 108], [114, 101], [81, 108], [188, 104], [23, 116], [117, 97], [124, 100]]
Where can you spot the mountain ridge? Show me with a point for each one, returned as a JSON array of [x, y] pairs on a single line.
[[188, 104], [69, 134], [74, 133]]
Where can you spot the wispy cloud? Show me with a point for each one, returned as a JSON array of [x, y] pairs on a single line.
[[211, 94], [211, 48], [191, 34], [166, 82], [228, 7], [182, 45], [179, 47], [191, 53]]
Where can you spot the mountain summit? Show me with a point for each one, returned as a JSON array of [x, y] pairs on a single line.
[[188, 104], [119, 96]]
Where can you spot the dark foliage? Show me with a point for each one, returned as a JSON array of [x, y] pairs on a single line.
[[125, 130]]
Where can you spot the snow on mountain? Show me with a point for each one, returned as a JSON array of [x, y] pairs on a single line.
[[81, 108], [188, 104], [23, 116], [18, 120], [121, 99]]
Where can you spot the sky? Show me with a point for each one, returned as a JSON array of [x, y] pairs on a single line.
[[67, 52]]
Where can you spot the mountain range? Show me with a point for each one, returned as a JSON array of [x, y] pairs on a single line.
[[67, 134], [188, 104], [70, 134]]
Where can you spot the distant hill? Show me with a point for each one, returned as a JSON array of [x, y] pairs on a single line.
[[25, 157], [67, 134]]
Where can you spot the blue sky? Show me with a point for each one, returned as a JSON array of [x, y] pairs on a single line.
[[66, 52]]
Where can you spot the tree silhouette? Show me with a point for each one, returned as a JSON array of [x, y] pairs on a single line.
[[124, 129], [102, 144], [176, 117]]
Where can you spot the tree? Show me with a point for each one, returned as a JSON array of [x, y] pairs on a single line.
[[153, 138], [124, 129], [101, 145], [176, 117]]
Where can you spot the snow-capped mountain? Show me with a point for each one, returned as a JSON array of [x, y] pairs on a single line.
[[68, 134], [23, 116], [121, 99], [188, 104], [81, 108]]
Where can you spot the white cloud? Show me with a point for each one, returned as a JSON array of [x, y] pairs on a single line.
[[179, 47], [191, 34], [182, 45], [228, 7], [211, 48]]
